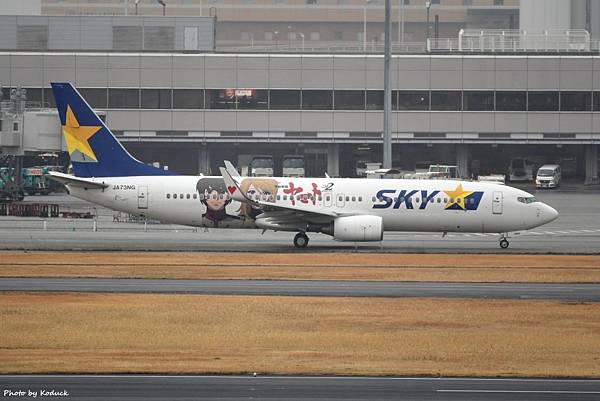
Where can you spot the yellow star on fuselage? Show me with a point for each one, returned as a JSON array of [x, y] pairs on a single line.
[[457, 197], [77, 136]]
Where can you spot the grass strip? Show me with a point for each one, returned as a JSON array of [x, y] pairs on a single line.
[[118, 333], [384, 267]]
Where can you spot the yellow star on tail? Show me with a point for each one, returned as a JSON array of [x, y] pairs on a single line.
[[457, 197], [77, 136]]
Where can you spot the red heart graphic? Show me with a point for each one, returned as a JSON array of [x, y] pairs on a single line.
[[231, 189]]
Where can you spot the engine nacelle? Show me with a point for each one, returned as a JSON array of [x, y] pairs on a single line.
[[358, 228]]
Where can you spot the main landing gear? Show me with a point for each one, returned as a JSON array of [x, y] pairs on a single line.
[[301, 240], [504, 242]]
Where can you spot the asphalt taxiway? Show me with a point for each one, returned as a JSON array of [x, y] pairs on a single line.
[[576, 231], [159, 388], [329, 288]]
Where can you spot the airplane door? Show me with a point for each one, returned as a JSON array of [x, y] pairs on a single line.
[[497, 203], [340, 202], [142, 197]]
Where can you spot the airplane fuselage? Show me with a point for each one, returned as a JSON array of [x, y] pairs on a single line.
[[403, 205]]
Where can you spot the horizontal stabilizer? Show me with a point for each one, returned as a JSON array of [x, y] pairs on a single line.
[[73, 181]]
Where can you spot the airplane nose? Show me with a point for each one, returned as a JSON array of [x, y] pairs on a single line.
[[550, 213]]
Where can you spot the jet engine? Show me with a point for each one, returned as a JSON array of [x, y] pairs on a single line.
[[358, 228]]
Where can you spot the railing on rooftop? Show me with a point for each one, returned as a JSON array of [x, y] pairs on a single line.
[[515, 41]]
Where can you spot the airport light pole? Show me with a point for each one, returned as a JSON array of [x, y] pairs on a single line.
[[428, 7], [365, 25], [302, 36], [387, 91]]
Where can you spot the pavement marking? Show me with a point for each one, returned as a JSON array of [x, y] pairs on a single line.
[[519, 391]]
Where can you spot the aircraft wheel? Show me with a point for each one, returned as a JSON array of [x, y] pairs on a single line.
[[504, 243], [301, 240]]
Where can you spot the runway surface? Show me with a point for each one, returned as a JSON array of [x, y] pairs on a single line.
[[576, 231], [564, 292], [158, 388]]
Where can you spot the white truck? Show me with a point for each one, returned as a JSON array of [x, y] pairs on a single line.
[[293, 166], [261, 166], [520, 169]]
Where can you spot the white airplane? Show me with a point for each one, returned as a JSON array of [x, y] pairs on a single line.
[[347, 209]]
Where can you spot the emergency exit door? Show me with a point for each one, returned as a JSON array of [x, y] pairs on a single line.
[[497, 203], [142, 197]]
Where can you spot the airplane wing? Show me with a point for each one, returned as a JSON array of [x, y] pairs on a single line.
[[304, 211], [75, 181]]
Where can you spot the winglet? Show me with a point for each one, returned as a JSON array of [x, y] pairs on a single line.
[[233, 187], [231, 169]]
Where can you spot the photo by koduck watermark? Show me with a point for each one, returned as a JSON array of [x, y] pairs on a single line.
[[39, 393]]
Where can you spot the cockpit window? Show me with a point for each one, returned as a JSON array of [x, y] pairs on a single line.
[[527, 199]]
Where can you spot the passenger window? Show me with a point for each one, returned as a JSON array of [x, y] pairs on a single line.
[[347, 199], [417, 200], [328, 198], [354, 199], [195, 196], [360, 198], [374, 199], [284, 197], [341, 198], [174, 196], [168, 196], [180, 196], [439, 200], [445, 200], [187, 196]]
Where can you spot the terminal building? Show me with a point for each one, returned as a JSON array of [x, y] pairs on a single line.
[[190, 110]]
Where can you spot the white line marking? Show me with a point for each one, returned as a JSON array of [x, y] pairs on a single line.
[[519, 391]]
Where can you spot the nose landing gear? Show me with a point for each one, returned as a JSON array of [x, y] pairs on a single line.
[[504, 242], [301, 240]]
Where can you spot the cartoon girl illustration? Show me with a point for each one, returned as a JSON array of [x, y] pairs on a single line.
[[263, 189], [213, 194]]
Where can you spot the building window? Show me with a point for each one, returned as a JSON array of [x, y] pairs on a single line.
[[349, 100], [96, 97], [156, 99], [413, 100], [498, 2], [374, 100], [269, 35], [435, 1], [188, 98], [315, 36], [478, 101], [284, 99], [220, 98], [338, 35], [596, 104], [446, 100], [542, 101], [575, 101], [15, 126], [123, 98], [256, 99], [317, 100], [34, 95], [467, 2], [48, 98], [511, 100], [311, 1]]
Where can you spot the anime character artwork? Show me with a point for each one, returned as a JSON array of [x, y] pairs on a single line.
[[264, 189], [212, 193]]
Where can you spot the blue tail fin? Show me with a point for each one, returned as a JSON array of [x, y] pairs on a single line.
[[94, 150]]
